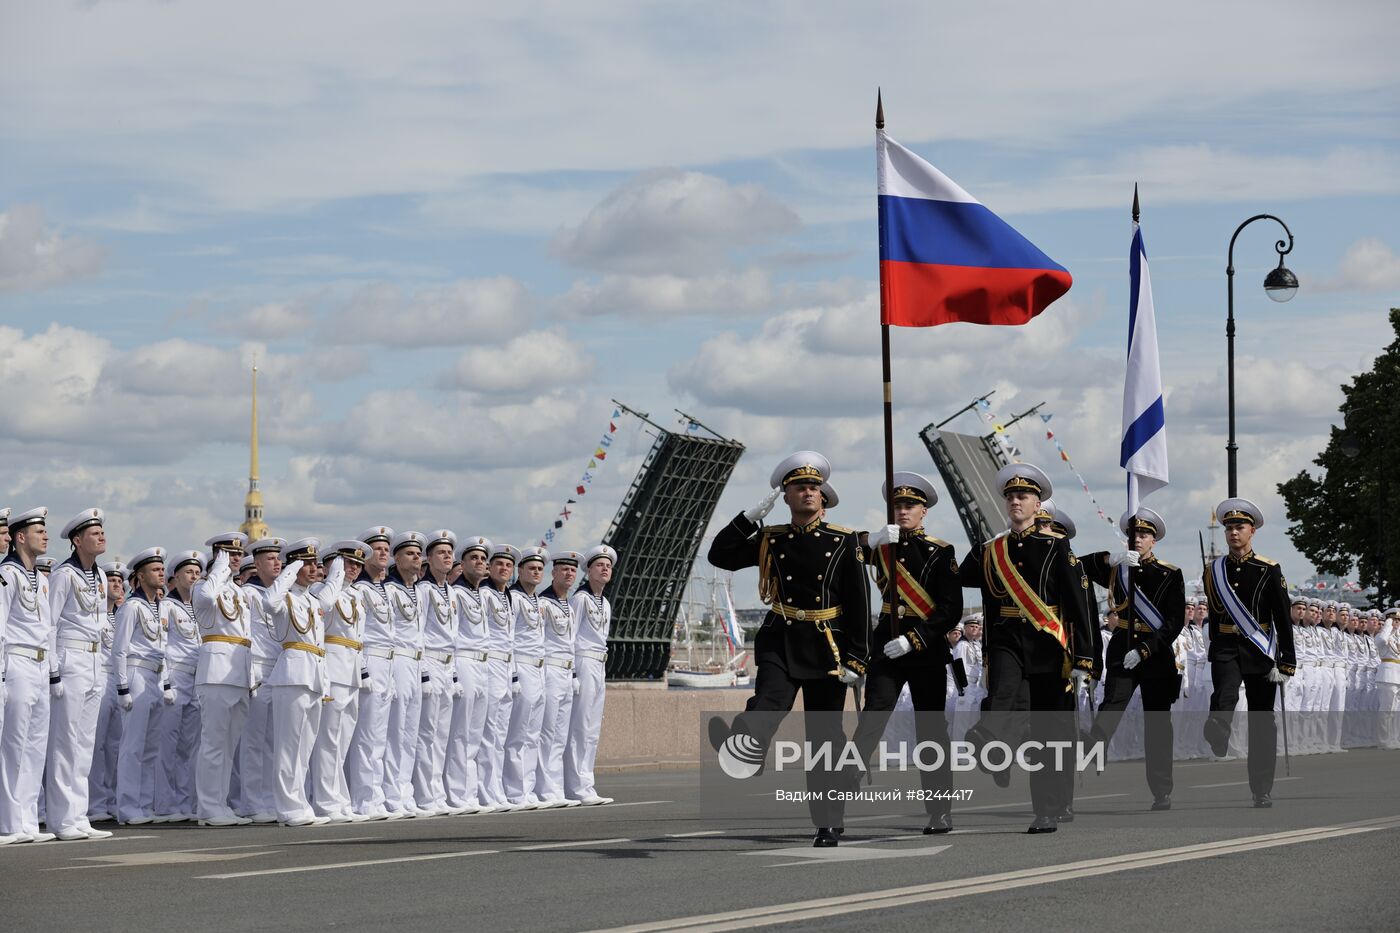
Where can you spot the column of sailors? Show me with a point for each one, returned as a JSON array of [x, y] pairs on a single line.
[[389, 676]]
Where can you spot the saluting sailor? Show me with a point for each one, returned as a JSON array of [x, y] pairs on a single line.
[[500, 624], [102, 778], [178, 723], [223, 677], [346, 675], [469, 705], [1251, 642], [439, 641], [31, 671], [1141, 653], [1033, 595], [410, 678], [913, 635], [77, 599], [815, 635], [559, 680], [138, 656], [368, 766], [593, 615], [297, 683], [527, 709], [266, 589]]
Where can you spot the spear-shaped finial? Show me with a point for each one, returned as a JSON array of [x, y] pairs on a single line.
[[1135, 203], [879, 111]]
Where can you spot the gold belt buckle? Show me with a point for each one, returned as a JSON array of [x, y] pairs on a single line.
[[801, 615], [40, 652]]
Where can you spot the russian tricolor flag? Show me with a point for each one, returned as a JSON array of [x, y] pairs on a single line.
[[944, 257]]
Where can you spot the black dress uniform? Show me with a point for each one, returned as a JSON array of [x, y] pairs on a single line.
[[1234, 659], [924, 616], [1156, 675], [1018, 651], [813, 577]]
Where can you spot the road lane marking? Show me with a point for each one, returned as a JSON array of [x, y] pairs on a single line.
[[569, 845], [378, 861]]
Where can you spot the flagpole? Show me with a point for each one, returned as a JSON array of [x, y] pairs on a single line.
[[1132, 504], [891, 587]]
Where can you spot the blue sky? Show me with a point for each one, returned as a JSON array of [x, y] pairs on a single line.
[[450, 233]]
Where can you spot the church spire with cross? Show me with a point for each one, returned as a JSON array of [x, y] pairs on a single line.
[[253, 525]]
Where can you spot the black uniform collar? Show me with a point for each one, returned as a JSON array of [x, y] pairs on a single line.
[[1241, 560], [464, 584], [393, 577], [1020, 535], [810, 526], [73, 560]]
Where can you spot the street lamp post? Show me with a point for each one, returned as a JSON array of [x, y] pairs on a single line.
[[1280, 285]]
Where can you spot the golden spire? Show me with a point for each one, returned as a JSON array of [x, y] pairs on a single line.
[[253, 525]]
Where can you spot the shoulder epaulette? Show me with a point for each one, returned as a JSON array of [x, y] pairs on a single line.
[[1050, 534], [774, 529], [938, 541], [1166, 566], [1265, 560], [841, 529]]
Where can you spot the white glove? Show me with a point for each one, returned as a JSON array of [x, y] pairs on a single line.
[[168, 696], [457, 690], [1278, 677], [886, 535], [4, 691], [1132, 659], [1130, 557], [577, 685], [125, 702], [763, 508], [365, 683], [515, 685], [427, 687], [898, 647], [1080, 679], [56, 690], [848, 677]]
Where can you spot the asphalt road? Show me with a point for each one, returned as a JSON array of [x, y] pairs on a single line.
[[661, 858]]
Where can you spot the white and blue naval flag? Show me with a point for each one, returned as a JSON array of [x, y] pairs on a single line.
[[1144, 449]]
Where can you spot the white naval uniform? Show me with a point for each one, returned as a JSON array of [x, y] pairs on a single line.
[[439, 628], [345, 632], [500, 663], [102, 778], [527, 710], [586, 720], [138, 654], [256, 765], [1387, 642], [1370, 691], [368, 766], [28, 635], [1305, 647], [469, 709], [1335, 699], [178, 725], [402, 737], [297, 684], [78, 601], [559, 632], [967, 708], [223, 677]]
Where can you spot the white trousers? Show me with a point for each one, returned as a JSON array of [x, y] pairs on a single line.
[[296, 715], [585, 725], [492, 758], [255, 764], [102, 778], [72, 735], [371, 777], [464, 733], [1336, 708], [1388, 715], [554, 732], [330, 792], [523, 737], [434, 724], [222, 712], [136, 756], [23, 742], [403, 732], [178, 730]]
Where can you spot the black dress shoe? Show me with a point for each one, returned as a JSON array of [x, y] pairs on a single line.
[[840, 830], [938, 824], [1065, 816], [1043, 824], [1164, 802], [1263, 801], [826, 838], [1217, 737], [719, 731]]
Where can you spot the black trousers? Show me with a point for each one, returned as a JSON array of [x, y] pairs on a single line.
[[774, 693], [927, 687], [1050, 720], [1159, 692], [1259, 698]]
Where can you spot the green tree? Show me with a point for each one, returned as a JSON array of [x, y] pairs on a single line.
[[1342, 517]]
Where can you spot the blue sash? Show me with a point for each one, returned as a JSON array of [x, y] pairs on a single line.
[[1142, 606], [1243, 619]]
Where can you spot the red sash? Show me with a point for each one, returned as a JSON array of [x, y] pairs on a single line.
[[1026, 598]]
